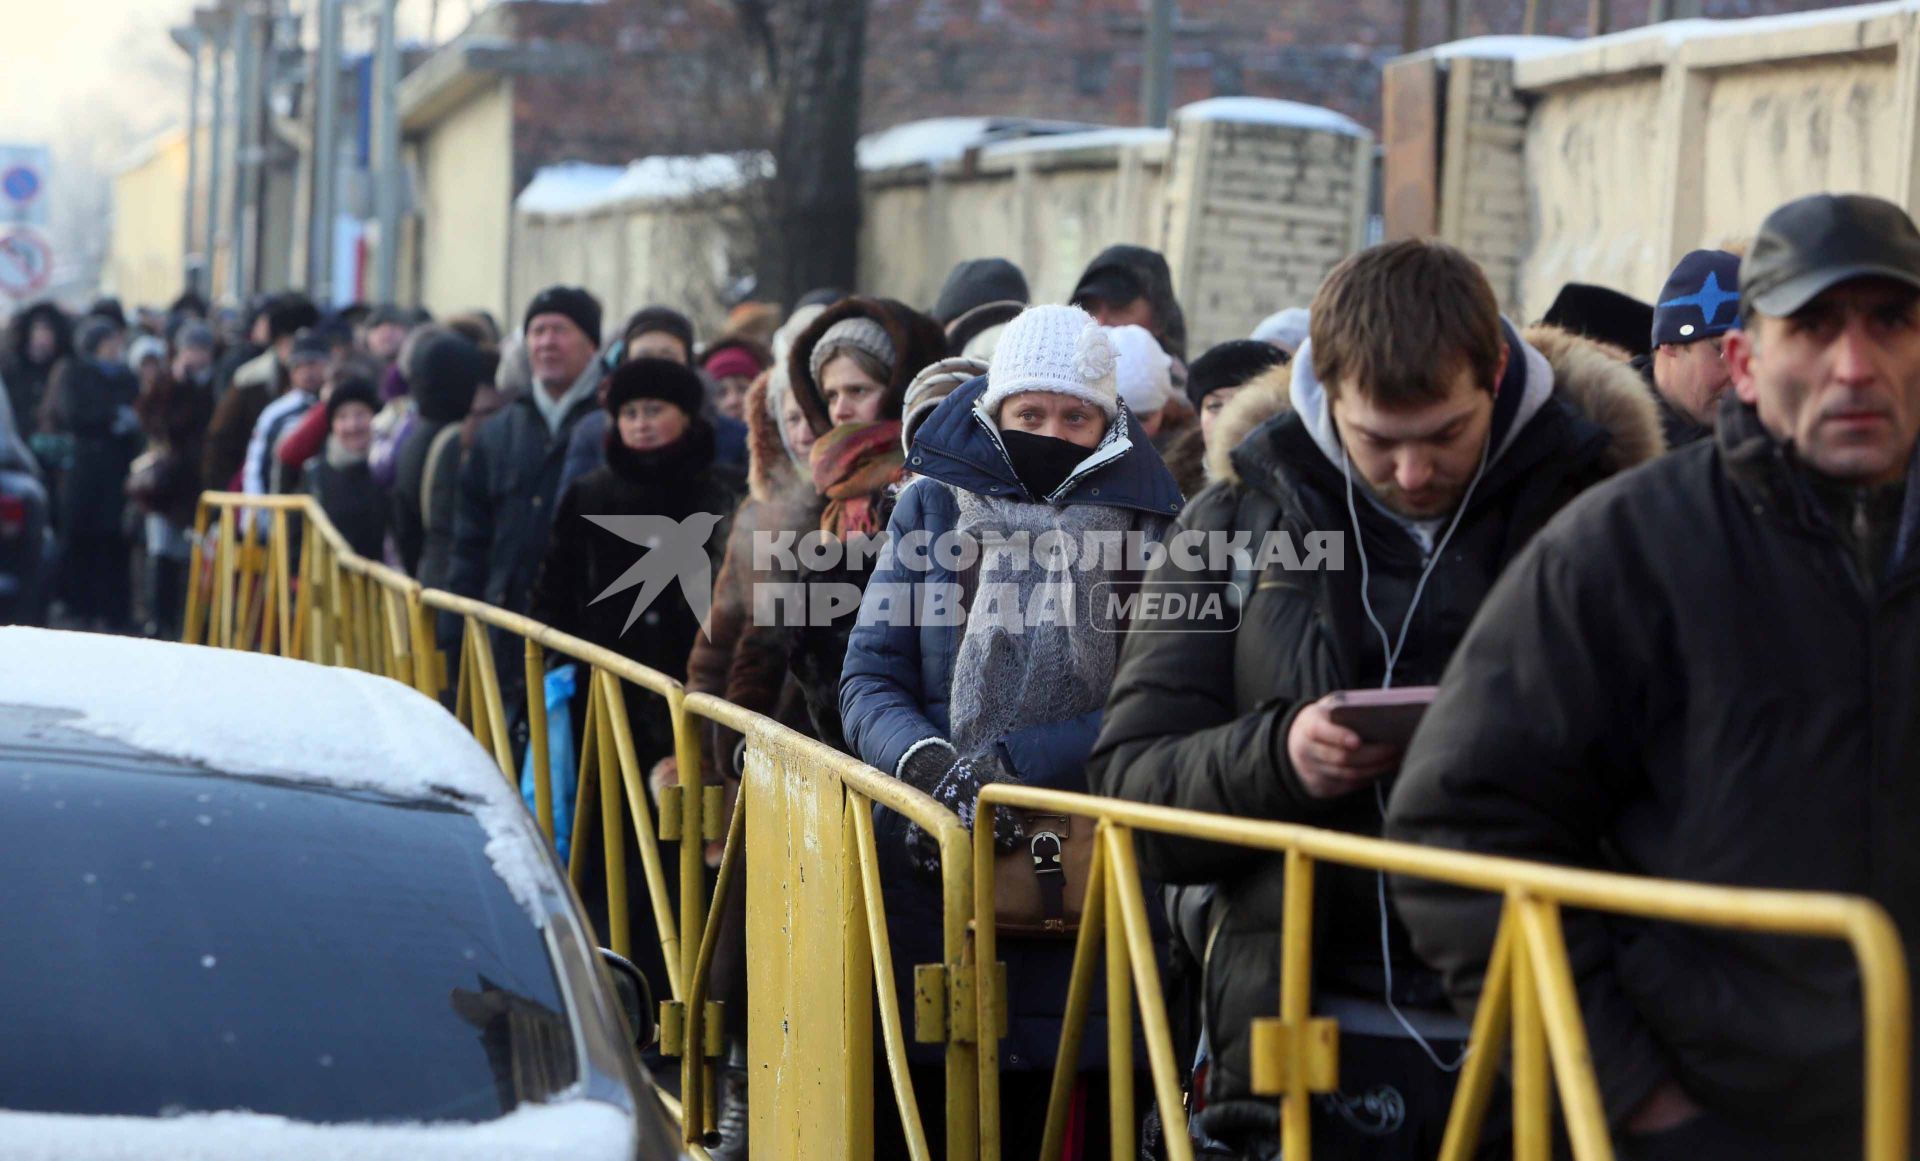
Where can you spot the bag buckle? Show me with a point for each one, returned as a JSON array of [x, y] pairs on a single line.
[[1046, 849]]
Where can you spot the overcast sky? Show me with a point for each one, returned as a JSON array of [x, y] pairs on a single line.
[[63, 56]]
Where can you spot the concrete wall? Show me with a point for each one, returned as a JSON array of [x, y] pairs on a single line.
[[1046, 207], [463, 167], [1251, 216], [1638, 147], [682, 253], [145, 258]]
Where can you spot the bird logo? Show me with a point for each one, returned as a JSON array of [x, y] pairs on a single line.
[[675, 548]]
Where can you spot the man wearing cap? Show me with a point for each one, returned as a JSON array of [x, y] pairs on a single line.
[[307, 360], [510, 478], [1697, 307], [1132, 284], [1709, 669]]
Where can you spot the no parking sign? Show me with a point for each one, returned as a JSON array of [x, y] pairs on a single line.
[[26, 263]]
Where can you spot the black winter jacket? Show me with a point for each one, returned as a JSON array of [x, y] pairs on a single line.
[[509, 484], [1199, 720], [353, 501], [585, 559], [1687, 675]]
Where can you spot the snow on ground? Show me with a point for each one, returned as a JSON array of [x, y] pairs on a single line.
[[1263, 111], [576, 1130], [244, 713]]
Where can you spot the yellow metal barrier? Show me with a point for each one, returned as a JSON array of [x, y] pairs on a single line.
[[821, 959], [1528, 1000], [813, 887]]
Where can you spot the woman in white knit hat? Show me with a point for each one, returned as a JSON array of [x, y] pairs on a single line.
[[1041, 444]]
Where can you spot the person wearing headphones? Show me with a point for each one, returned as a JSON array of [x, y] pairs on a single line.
[[1426, 441]]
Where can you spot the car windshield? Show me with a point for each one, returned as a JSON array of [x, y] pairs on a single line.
[[177, 940]]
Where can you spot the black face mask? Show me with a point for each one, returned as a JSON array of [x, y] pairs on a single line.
[[1043, 462]]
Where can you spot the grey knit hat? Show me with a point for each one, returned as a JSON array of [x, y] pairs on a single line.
[[929, 387], [860, 334]]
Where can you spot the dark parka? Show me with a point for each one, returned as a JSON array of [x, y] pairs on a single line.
[[898, 680], [585, 559], [509, 485], [1200, 720], [1688, 675], [92, 402], [448, 371], [354, 502], [27, 380]]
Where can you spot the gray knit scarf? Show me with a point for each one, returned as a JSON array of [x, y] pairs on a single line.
[[1008, 674]]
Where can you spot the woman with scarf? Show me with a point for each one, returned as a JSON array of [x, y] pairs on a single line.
[[1011, 691], [848, 372]]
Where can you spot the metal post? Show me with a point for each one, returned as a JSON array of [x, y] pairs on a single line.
[[326, 154], [1530, 23], [1456, 20], [189, 39], [1156, 78], [246, 122], [1410, 27], [1599, 16], [216, 152], [386, 163], [1658, 11]]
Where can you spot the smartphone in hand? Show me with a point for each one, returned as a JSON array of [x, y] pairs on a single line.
[[1384, 716]]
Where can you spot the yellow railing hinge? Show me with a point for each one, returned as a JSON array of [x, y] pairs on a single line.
[[1281, 1051], [669, 808], [713, 806], [673, 1028], [930, 1003], [713, 1029]]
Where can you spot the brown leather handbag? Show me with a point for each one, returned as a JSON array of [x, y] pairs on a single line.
[[1040, 886]]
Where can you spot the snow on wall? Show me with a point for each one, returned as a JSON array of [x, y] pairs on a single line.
[[1263, 111], [245, 713]]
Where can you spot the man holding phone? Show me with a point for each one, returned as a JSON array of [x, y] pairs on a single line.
[[1601, 713], [1435, 440]]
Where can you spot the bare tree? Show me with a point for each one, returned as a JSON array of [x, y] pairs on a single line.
[[813, 52]]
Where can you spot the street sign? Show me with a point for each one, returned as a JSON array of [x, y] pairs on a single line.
[[23, 185], [26, 263]]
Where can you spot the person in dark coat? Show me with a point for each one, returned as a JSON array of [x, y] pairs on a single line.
[[1042, 444], [652, 332], [254, 385], [510, 479], [340, 477], [1434, 459], [88, 409], [659, 464], [38, 338], [1685, 367], [448, 371], [1708, 670], [165, 480], [1132, 284], [1212, 382]]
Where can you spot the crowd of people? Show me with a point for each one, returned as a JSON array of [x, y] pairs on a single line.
[[1657, 558]]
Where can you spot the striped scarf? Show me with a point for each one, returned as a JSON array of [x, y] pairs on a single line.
[[852, 466]]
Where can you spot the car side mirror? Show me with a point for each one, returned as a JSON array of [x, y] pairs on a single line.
[[636, 997]]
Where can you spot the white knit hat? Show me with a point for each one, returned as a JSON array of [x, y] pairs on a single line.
[[1145, 377], [1053, 348]]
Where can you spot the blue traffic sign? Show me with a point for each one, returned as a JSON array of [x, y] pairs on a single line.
[[20, 183]]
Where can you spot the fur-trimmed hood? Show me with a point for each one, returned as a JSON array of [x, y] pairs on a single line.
[[917, 341], [770, 470], [1589, 376]]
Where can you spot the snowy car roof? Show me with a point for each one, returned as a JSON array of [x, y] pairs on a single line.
[[252, 714]]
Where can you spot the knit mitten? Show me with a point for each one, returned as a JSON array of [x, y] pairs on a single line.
[[925, 763], [958, 790]]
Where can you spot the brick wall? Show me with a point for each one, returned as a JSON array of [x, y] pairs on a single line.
[[1483, 192], [1257, 216]]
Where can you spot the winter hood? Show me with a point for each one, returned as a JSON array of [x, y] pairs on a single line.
[[959, 445], [1586, 375], [917, 341]]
